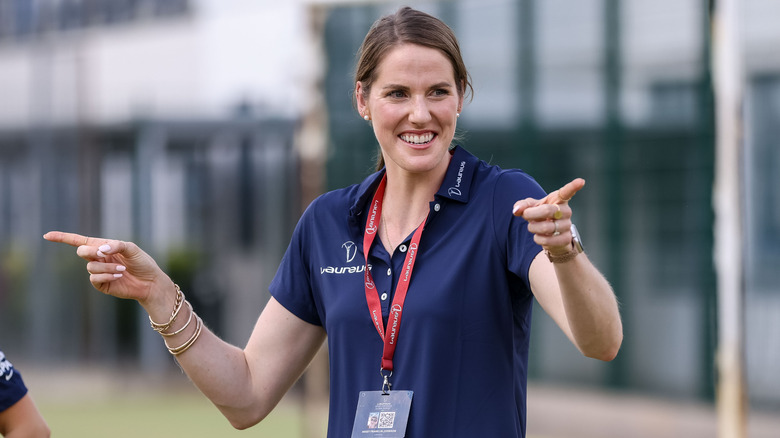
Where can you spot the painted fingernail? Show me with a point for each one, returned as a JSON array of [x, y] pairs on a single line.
[[515, 208], [121, 268], [117, 275], [102, 249]]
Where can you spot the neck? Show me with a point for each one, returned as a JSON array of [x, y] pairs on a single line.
[[415, 188], [406, 203]]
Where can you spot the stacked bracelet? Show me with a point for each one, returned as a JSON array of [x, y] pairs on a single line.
[[186, 324], [159, 328], [162, 329], [188, 343]]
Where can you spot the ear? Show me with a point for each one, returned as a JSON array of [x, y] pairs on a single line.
[[359, 98]]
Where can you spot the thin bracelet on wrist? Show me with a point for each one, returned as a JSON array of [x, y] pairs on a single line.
[[176, 308], [563, 258]]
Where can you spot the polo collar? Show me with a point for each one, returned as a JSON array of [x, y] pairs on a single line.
[[457, 180], [456, 184], [365, 191]]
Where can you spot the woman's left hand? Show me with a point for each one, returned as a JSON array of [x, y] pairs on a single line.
[[549, 218]]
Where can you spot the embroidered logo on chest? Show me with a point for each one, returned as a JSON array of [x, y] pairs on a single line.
[[349, 251]]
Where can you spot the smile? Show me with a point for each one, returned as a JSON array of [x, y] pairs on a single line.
[[417, 139]]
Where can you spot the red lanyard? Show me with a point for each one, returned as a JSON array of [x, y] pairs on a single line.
[[372, 298]]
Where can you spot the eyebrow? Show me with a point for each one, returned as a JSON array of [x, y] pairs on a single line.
[[404, 87]]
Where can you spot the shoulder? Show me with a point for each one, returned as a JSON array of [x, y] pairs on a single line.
[[485, 179], [513, 183], [343, 203]]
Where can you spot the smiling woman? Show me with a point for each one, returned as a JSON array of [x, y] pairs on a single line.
[[409, 27], [463, 240], [413, 105]]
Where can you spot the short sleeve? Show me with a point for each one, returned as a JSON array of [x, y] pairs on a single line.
[[291, 286], [512, 186], [12, 387]]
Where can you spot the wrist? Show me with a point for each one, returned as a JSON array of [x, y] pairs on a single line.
[[563, 257], [160, 299], [567, 253], [176, 329]]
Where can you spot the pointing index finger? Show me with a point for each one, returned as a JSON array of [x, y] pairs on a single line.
[[71, 239], [565, 193]]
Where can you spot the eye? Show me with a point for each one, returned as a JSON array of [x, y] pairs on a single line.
[[440, 92], [396, 94]]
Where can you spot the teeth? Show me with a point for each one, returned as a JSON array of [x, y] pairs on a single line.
[[417, 139]]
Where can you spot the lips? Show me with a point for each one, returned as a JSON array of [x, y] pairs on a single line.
[[417, 139]]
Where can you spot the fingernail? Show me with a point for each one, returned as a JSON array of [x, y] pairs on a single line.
[[117, 275], [515, 208], [121, 268], [102, 249]]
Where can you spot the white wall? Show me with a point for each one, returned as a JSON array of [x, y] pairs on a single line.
[[197, 66]]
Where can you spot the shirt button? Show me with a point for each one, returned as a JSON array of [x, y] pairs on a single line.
[[402, 248], [437, 206], [384, 296], [389, 272]]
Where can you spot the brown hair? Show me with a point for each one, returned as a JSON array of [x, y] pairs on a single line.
[[408, 26]]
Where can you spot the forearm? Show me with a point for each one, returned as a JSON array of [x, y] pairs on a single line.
[[219, 370], [244, 384], [591, 308]]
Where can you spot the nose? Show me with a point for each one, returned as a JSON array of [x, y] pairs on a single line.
[[419, 112]]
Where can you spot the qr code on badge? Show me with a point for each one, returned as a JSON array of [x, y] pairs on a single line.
[[386, 420]]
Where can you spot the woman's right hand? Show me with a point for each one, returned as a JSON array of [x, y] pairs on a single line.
[[116, 268]]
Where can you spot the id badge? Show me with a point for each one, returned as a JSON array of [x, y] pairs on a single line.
[[382, 415]]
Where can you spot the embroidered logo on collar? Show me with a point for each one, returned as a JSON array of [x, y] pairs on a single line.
[[455, 191]]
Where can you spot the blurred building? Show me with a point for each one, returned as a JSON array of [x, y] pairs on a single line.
[[200, 128], [171, 123]]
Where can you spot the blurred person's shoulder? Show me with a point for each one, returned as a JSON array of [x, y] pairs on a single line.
[[12, 387]]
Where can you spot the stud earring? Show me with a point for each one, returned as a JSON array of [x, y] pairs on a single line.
[[457, 114], [366, 117]]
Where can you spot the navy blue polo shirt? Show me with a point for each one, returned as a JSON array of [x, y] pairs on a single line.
[[12, 387], [463, 340]]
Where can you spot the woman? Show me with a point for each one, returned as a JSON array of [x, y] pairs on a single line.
[[451, 258]]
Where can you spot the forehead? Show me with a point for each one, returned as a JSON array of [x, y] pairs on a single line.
[[411, 64]]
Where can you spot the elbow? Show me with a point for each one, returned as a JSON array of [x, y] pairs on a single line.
[[606, 351], [243, 419], [606, 355], [243, 423]]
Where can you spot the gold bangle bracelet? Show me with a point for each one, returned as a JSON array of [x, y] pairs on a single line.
[[185, 346], [186, 324]]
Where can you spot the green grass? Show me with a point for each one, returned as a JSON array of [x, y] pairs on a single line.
[[185, 414]]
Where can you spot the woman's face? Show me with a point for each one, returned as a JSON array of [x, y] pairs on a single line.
[[413, 106]]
